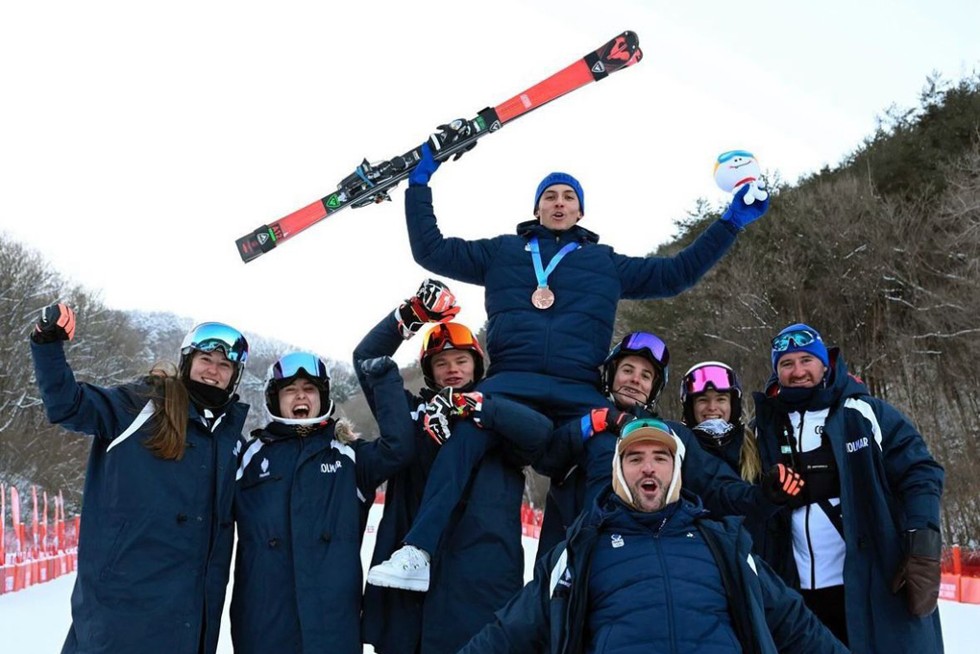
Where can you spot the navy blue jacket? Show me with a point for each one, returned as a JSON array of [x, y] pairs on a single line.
[[889, 484], [571, 339], [301, 506], [580, 468], [625, 580], [480, 562], [156, 535]]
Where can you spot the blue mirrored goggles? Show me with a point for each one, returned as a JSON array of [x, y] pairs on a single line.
[[296, 363], [639, 341], [211, 336], [795, 338]]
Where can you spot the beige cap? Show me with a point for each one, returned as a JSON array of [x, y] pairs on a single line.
[[647, 430]]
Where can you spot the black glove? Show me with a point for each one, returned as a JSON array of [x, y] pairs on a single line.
[[462, 405], [435, 418], [378, 366], [433, 302], [450, 134], [780, 483], [600, 420], [57, 323], [920, 571]]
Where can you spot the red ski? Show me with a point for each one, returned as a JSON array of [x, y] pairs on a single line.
[[369, 183]]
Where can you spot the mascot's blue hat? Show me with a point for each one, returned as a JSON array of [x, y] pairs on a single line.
[[560, 178]]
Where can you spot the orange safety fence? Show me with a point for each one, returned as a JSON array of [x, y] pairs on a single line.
[[37, 551], [961, 575]]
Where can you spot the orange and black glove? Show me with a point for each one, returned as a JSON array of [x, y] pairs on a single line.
[[57, 323], [605, 419], [433, 302], [781, 483]]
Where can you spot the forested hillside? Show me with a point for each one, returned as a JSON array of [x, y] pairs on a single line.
[[881, 255]]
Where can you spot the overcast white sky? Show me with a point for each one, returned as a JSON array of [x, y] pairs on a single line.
[[139, 140]]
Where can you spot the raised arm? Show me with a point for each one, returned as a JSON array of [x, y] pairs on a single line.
[[456, 258], [651, 277], [80, 407], [433, 302], [384, 457]]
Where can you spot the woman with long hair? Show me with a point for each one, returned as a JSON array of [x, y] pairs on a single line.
[[711, 395], [156, 528]]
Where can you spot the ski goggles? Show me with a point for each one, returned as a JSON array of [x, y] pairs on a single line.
[[651, 423], [709, 376], [449, 336], [647, 429], [211, 336], [795, 338], [636, 342], [300, 363]]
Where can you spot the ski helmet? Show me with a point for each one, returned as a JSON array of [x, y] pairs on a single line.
[[287, 369], [449, 336], [710, 375], [641, 344], [211, 336]]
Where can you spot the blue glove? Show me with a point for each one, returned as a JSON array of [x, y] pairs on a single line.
[[423, 170], [740, 214]]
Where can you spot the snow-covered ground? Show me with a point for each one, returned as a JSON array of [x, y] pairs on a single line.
[[37, 619]]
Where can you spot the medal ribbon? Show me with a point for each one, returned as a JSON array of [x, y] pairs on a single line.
[[539, 271]]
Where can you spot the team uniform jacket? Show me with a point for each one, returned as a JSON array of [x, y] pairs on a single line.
[[675, 581], [156, 535], [480, 562], [580, 468], [301, 506], [569, 340], [889, 483]]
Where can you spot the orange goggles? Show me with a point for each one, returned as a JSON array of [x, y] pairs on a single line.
[[449, 336]]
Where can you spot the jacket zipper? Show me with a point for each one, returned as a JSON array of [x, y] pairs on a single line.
[[664, 569], [806, 518]]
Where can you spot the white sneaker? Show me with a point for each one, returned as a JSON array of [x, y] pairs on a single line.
[[408, 569]]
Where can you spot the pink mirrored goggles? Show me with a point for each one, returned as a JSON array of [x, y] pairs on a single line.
[[709, 375]]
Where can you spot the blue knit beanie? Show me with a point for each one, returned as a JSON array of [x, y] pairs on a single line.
[[560, 178], [790, 344]]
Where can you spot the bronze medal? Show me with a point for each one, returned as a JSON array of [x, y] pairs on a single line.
[[542, 298]]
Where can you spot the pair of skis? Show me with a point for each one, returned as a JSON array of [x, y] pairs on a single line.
[[370, 182]]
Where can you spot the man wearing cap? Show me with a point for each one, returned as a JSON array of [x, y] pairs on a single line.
[[552, 289], [646, 569], [861, 541]]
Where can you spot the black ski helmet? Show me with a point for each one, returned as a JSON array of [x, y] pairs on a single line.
[[285, 371], [710, 375], [641, 344]]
